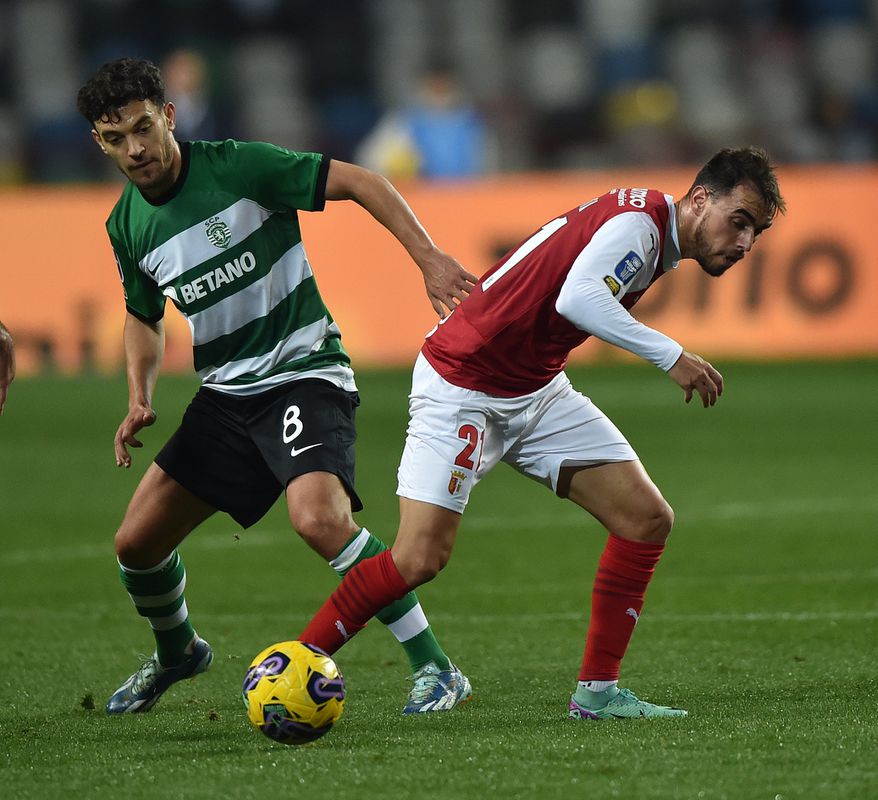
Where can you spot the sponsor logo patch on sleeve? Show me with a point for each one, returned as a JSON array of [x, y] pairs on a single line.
[[628, 267], [613, 284]]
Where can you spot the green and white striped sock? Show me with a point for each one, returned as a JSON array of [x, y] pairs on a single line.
[[404, 618], [157, 594]]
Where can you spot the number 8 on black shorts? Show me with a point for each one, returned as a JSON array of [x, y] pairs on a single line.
[[238, 453]]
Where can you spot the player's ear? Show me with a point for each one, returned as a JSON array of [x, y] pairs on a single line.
[[170, 111], [698, 198], [97, 137]]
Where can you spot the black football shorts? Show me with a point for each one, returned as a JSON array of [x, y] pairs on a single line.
[[238, 453]]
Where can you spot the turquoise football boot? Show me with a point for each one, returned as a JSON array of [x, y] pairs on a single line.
[[623, 704]]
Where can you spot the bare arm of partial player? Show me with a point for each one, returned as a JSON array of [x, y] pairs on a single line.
[[144, 347], [447, 282], [7, 363], [586, 301]]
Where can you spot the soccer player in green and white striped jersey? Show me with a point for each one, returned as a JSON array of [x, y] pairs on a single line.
[[213, 226]]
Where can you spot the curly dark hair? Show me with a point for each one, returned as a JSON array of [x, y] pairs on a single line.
[[733, 166], [118, 83]]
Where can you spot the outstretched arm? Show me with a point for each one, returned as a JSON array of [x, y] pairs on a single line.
[[587, 301], [594, 309], [7, 363], [446, 280], [144, 348]]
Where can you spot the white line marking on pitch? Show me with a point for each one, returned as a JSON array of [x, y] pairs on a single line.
[[82, 610], [569, 517]]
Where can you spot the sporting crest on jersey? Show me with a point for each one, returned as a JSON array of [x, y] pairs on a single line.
[[456, 482], [218, 232], [613, 284], [628, 267]]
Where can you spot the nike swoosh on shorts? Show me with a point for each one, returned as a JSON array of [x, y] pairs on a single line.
[[294, 452]]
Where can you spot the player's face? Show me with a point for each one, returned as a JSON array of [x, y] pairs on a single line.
[[727, 227], [140, 141]]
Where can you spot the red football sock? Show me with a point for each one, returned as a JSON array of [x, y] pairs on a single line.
[[620, 585], [372, 584]]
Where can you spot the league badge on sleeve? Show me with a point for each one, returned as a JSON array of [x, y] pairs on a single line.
[[613, 284], [628, 267]]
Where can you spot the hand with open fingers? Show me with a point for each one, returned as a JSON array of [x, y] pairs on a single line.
[[446, 280], [693, 374], [138, 417]]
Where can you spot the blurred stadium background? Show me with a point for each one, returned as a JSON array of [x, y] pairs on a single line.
[[558, 84]]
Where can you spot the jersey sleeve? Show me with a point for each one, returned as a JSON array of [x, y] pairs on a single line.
[[622, 254], [143, 298], [281, 179]]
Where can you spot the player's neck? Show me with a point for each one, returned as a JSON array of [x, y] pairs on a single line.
[[172, 175], [685, 226]]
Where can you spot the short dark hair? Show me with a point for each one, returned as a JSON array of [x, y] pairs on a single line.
[[731, 167], [118, 83]]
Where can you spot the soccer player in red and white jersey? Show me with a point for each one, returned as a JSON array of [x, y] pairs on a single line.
[[489, 386]]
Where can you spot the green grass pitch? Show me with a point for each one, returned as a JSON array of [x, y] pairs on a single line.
[[762, 619]]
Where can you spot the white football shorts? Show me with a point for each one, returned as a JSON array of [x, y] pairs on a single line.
[[456, 436]]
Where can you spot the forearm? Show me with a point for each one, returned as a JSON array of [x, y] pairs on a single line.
[[382, 201], [446, 281], [144, 347], [595, 310]]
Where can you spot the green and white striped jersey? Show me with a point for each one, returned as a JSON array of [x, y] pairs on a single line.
[[224, 244]]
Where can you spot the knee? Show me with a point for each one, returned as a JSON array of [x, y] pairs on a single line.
[[325, 530], [664, 522], [421, 566], [133, 549], [126, 548], [653, 524]]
